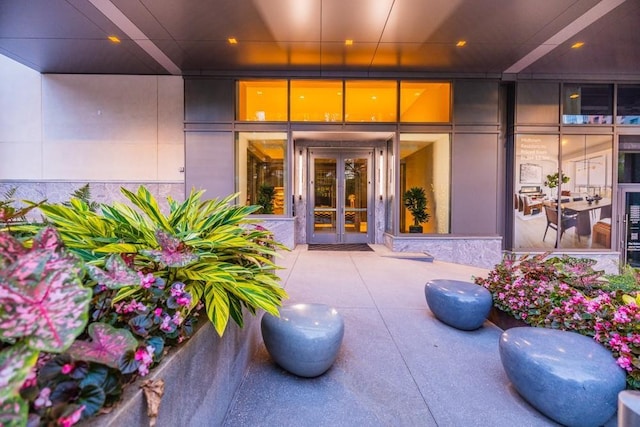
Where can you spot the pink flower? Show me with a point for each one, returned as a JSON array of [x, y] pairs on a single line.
[[177, 318], [146, 280], [157, 312], [31, 379], [624, 362], [184, 300], [43, 401], [71, 419], [67, 368], [134, 306], [177, 289], [166, 323], [144, 355]]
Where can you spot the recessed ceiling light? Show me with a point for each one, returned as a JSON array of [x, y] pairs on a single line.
[[232, 40], [374, 97], [114, 39], [339, 93], [348, 42], [574, 96], [301, 96], [577, 45], [461, 43], [259, 92]]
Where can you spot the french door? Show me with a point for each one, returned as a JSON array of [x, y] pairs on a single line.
[[340, 196]]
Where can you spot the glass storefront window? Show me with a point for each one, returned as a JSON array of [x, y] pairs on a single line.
[[371, 100], [587, 104], [628, 103], [261, 158], [262, 101], [316, 101], [425, 163], [425, 102], [562, 191], [587, 163], [536, 157]]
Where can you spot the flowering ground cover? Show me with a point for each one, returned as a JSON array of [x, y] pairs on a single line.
[[567, 293]]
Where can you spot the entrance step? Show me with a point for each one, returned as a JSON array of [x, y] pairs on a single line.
[[417, 256]]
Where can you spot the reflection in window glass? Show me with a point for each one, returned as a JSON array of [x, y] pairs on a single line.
[[563, 192], [425, 102], [628, 112], [371, 100], [262, 101], [261, 170], [587, 104], [425, 163], [316, 101]]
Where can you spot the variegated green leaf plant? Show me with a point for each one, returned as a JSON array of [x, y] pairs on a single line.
[[223, 258]]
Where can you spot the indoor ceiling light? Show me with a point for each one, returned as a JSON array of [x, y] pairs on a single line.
[[574, 96], [114, 39], [348, 42], [577, 45], [232, 40], [461, 43]]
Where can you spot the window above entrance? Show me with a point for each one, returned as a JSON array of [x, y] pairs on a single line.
[[350, 101]]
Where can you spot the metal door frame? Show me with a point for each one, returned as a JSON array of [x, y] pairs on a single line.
[[340, 236], [624, 222]]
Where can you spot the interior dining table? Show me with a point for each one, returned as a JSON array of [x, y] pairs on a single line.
[[586, 212]]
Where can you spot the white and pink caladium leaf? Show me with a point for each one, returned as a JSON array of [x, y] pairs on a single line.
[[117, 274], [42, 299], [173, 252], [14, 412], [107, 346], [10, 249], [16, 363]]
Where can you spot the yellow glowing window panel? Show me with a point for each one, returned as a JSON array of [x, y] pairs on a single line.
[[316, 101], [262, 101], [371, 101], [425, 102]]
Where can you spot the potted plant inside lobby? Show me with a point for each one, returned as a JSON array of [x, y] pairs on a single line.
[[553, 180], [265, 198], [416, 201]]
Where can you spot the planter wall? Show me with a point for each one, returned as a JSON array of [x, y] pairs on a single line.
[[201, 378], [504, 320]]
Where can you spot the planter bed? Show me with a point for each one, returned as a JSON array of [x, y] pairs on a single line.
[[201, 378]]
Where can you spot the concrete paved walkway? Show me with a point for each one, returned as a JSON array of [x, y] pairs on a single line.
[[398, 365]]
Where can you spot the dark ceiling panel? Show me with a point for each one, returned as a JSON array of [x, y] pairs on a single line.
[[69, 36], [611, 43]]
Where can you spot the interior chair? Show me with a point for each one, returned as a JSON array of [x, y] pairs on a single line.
[[531, 207], [605, 212], [568, 221]]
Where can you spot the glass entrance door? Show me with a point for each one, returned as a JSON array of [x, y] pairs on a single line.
[[630, 233], [340, 197]]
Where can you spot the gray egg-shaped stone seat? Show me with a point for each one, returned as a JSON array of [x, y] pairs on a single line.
[[462, 305], [568, 377], [305, 339]]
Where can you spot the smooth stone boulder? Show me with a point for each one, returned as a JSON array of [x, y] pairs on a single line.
[[568, 377], [305, 339], [462, 305]]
